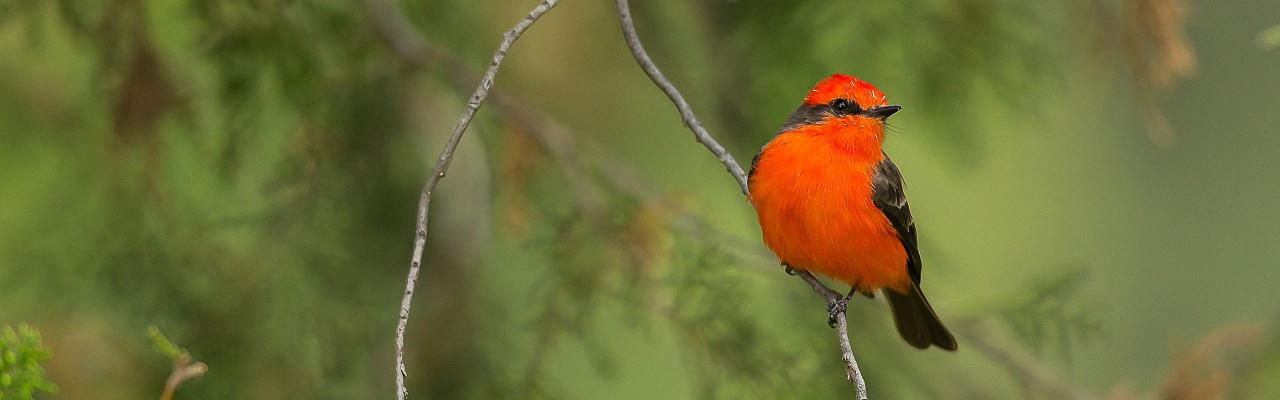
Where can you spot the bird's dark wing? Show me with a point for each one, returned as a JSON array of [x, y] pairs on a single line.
[[888, 196], [754, 160]]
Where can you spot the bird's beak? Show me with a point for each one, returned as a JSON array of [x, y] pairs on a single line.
[[881, 112]]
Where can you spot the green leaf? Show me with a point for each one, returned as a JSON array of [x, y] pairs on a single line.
[[163, 344]]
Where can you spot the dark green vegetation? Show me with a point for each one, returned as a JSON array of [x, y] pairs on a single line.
[[244, 174]]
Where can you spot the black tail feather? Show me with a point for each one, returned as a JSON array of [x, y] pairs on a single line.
[[916, 321]]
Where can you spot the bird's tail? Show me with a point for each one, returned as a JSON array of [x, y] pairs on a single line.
[[916, 321]]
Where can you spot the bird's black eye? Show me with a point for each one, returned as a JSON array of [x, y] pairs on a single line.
[[844, 106]]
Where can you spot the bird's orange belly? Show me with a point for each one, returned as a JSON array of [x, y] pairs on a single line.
[[822, 220]]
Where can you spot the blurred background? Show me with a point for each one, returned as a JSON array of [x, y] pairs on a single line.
[[1095, 183]]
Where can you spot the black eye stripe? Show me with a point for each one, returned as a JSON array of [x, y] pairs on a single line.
[[816, 113], [844, 107]]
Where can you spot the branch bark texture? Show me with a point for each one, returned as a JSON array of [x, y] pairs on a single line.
[[852, 373], [438, 172]]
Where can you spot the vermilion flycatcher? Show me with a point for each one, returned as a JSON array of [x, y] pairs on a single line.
[[830, 202]]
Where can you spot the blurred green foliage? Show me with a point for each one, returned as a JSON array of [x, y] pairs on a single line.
[[1269, 38], [21, 353], [163, 345], [1053, 313], [949, 54], [244, 174]]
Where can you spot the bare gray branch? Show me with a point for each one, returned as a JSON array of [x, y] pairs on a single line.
[[438, 172], [852, 373], [686, 113]]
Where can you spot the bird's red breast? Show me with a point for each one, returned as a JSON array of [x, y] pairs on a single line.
[[812, 190]]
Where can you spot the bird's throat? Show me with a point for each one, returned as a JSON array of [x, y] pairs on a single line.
[[862, 143]]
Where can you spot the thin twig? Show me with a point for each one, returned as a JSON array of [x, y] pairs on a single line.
[[184, 368], [416, 52], [852, 372], [686, 114], [551, 135], [438, 172]]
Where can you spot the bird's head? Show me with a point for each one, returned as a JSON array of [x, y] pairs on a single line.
[[842, 101]]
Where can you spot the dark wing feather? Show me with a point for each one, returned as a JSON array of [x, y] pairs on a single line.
[[912, 314], [888, 196], [754, 161]]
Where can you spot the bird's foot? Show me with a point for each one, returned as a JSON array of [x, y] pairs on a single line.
[[835, 309], [838, 307], [790, 271]]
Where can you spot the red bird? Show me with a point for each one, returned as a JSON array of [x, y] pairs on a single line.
[[830, 201]]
